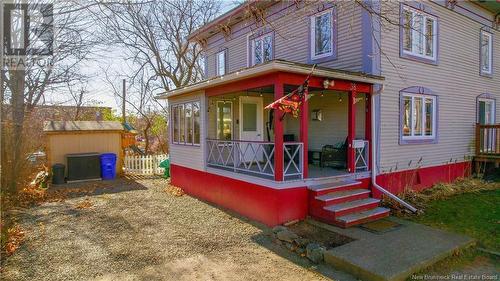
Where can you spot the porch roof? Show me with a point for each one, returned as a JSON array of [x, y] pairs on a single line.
[[275, 66]]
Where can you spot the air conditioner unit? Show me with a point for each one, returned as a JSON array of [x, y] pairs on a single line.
[[83, 166]]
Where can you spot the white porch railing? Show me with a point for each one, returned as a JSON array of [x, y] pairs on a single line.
[[252, 157], [293, 163], [255, 157], [143, 165]]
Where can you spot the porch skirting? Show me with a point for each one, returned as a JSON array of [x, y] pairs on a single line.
[[268, 205]]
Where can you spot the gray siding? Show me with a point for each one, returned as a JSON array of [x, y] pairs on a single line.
[[291, 27], [455, 80]]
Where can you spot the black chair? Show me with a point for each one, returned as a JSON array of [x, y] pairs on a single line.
[[332, 156]]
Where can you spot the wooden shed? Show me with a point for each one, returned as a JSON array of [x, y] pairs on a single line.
[[70, 137]]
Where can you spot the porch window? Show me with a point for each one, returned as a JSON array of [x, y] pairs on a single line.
[[485, 110], [262, 49], [486, 43], [418, 117], [321, 44], [419, 34], [186, 123], [221, 62], [224, 120]]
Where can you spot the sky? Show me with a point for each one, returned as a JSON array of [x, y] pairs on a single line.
[[100, 92]]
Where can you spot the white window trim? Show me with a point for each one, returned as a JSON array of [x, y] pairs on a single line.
[[252, 49], [224, 55], [172, 128], [218, 119], [413, 32], [423, 116], [312, 43], [490, 51]]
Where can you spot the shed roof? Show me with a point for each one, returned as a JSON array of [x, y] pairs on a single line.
[[67, 126]]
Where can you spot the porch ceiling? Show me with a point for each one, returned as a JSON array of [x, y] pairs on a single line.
[[275, 66]]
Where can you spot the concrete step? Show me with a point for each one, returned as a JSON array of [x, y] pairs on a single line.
[[350, 207], [324, 188], [343, 196], [363, 217]]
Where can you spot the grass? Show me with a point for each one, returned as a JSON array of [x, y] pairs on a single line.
[[476, 214]]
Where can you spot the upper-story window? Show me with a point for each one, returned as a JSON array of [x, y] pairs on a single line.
[[418, 117], [220, 59], [419, 34], [486, 43], [262, 49], [322, 34]]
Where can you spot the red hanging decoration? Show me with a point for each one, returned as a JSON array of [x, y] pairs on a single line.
[[291, 102]]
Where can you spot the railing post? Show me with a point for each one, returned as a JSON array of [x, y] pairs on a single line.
[[304, 124], [351, 132], [278, 134], [478, 139]]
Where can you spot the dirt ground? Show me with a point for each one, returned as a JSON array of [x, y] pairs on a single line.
[[128, 230]]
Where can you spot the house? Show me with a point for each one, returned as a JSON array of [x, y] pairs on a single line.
[[396, 94]]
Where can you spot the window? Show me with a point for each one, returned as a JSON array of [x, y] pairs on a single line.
[[486, 52], [186, 123], [419, 34], [485, 111], [418, 120], [322, 35], [224, 120], [221, 62], [262, 49]]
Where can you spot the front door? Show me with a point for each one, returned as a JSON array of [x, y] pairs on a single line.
[[251, 126]]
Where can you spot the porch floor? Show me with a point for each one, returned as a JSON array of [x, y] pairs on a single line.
[[314, 172], [318, 172]]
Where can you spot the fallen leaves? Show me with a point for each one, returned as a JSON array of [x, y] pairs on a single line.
[[85, 204], [174, 190], [15, 236]]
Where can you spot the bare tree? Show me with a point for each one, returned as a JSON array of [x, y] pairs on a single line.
[[26, 87], [154, 33]]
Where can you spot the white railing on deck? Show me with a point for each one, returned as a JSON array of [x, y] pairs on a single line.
[[253, 157], [143, 165], [293, 156]]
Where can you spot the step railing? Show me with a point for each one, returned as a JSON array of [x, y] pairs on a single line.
[[488, 140]]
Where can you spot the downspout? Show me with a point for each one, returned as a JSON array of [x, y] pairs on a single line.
[[374, 161]]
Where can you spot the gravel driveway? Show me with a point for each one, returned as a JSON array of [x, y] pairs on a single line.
[[134, 230]]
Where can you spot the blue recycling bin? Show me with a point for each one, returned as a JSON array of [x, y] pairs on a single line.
[[108, 166]]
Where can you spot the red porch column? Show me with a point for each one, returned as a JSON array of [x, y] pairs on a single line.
[[351, 132], [304, 124], [278, 134], [368, 127]]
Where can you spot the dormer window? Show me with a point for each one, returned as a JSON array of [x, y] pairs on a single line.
[[220, 59], [262, 49], [322, 35]]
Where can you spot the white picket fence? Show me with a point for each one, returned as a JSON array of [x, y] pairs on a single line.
[[144, 165]]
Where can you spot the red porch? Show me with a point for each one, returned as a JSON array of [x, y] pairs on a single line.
[[257, 163], [280, 148]]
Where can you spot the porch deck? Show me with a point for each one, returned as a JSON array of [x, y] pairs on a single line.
[[315, 172]]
